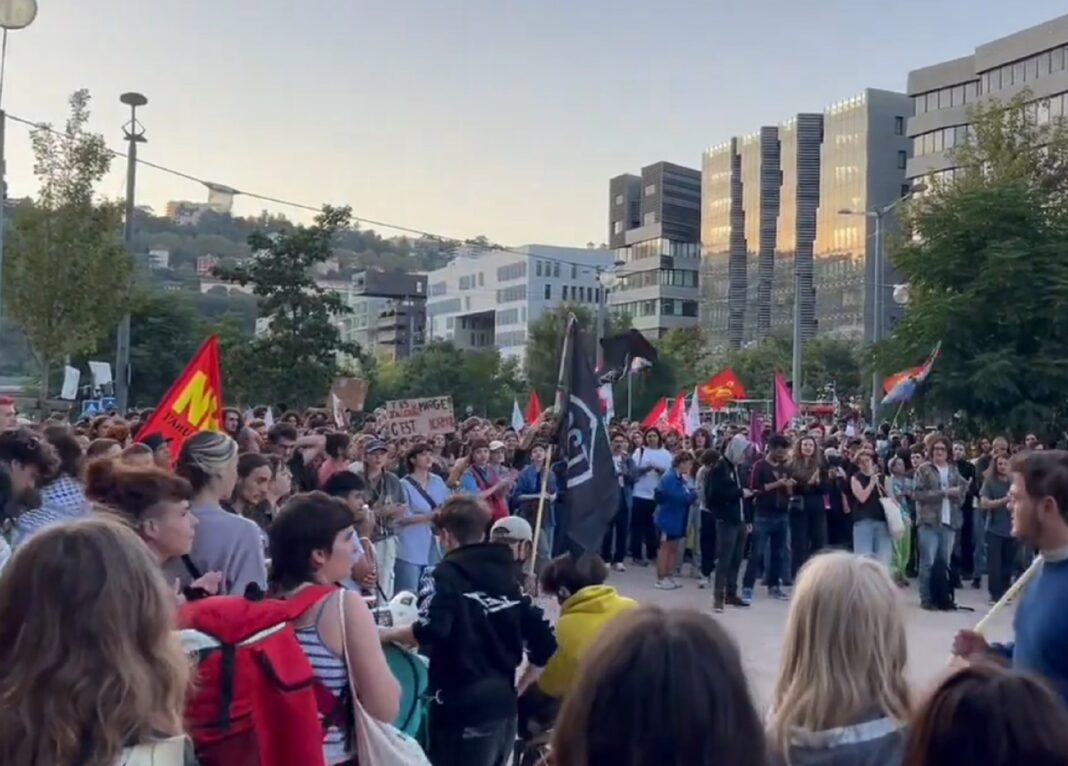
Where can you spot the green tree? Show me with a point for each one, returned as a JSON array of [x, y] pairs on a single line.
[[296, 358], [68, 276], [544, 339], [988, 276]]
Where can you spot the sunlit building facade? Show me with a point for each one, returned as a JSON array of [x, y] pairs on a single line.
[[795, 181]]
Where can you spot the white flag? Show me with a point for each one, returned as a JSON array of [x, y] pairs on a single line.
[[71, 376], [517, 417], [101, 373], [693, 415], [608, 401]]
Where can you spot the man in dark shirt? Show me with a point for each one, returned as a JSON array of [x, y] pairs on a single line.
[[772, 485]]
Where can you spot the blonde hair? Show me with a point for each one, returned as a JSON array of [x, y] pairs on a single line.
[[91, 661], [203, 457], [845, 650]]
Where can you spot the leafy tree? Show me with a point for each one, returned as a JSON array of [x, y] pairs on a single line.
[[477, 378], [295, 359], [988, 276], [68, 276], [544, 339]]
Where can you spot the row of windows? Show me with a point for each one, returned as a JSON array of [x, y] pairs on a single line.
[[512, 294], [1026, 70], [438, 288], [944, 98], [657, 247], [667, 307], [450, 306], [512, 271], [547, 268], [665, 277], [512, 338], [508, 316], [471, 281], [939, 140]]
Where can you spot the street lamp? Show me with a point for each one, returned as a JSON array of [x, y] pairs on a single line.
[[14, 14], [878, 266]]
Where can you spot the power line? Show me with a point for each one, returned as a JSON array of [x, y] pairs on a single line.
[[442, 238]]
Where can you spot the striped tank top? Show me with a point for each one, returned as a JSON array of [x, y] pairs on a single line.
[[330, 669]]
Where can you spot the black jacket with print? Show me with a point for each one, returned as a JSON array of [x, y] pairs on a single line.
[[476, 626]]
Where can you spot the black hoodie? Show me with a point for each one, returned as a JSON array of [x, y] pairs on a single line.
[[475, 626]]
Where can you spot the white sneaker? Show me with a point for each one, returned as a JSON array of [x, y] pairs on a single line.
[[619, 567], [665, 584], [674, 584], [704, 583]]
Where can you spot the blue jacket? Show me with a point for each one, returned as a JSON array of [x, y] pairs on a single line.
[[673, 500], [528, 482]]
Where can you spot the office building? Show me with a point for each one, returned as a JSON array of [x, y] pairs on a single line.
[[1034, 59], [489, 298], [654, 232], [388, 313], [772, 224]]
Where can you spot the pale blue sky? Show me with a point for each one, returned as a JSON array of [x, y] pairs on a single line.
[[464, 117]]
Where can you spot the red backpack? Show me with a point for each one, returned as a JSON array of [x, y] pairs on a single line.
[[256, 700]]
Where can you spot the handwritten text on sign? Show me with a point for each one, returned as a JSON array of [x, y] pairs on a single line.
[[430, 416]]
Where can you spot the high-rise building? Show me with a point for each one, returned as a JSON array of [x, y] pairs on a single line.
[[388, 313], [1035, 59], [773, 225], [489, 298], [654, 232]]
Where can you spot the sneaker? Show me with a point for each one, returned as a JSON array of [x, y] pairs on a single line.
[[733, 600], [704, 583], [977, 583], [674, 583], [747, 596], [664, 584], [618, 566], [717, 605], [778, 594], [927, 606]]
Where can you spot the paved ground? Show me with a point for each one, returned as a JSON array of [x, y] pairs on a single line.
[[759, 628]]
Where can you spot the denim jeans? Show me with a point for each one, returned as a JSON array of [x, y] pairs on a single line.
[[614, 548], [406, 576], [771, 530], [484, 744], [730, 547], [872, 538], [932, 539], [979, 533]]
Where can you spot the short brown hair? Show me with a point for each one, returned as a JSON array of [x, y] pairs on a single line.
[[566, 571], [1044, 474], [463, 517], [682, 456], [609, 716], [133, 492], [988, 714]]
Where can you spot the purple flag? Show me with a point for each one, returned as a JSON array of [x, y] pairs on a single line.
[[756, 431]]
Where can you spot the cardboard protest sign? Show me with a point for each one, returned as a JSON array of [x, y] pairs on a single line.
[[430, 416], [351, 391]]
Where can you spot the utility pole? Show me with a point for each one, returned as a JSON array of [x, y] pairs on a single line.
[[134, 133], [795, 371]]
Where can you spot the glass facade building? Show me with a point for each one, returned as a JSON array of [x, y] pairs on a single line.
[[788, 236]]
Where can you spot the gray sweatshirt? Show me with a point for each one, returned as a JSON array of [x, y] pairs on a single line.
[[228, 543]]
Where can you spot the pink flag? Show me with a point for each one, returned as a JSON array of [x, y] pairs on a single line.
[[786, 408]]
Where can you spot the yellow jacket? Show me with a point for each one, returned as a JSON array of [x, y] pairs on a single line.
[[582, 618]]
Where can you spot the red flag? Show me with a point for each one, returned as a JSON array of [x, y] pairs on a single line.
[[897, 377], [676, 419], [786, 408], [656, 414], [193, 403], [533, 408], [721, 389]]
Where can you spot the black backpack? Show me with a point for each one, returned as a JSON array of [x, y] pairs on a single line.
[[942, 585]]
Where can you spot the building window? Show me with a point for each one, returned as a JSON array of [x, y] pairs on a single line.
[[899, 126], [481, 280], [668, 307], [537, 268], [617, 227], [597, 295], [619, 199], [650, 190], [556, 269], [902, 159], [548, 292], [689, 308], [905, 189], [649, 218], [574, 271]]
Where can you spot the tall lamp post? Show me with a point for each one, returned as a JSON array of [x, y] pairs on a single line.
[[879, 266], [134, 133], [14, 14]]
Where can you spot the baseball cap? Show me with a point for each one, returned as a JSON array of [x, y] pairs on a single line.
[[513, 529], [496, 446], [376, 445]]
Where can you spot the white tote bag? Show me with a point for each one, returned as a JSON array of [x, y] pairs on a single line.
[[377, 743], [895, 514]]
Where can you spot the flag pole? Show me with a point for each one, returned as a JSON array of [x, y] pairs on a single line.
[[541, 507], [563, 365]]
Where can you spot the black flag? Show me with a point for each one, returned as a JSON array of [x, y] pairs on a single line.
[[625, 354], [591, 495]]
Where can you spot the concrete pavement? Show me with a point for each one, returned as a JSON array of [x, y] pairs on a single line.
[[759, 629]]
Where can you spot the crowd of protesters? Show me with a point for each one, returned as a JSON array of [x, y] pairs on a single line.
[[107, 539]]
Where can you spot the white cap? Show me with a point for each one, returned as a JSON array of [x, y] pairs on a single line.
[[513, 529], [496, 446]]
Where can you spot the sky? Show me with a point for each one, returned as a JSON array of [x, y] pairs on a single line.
[[460, 117]]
